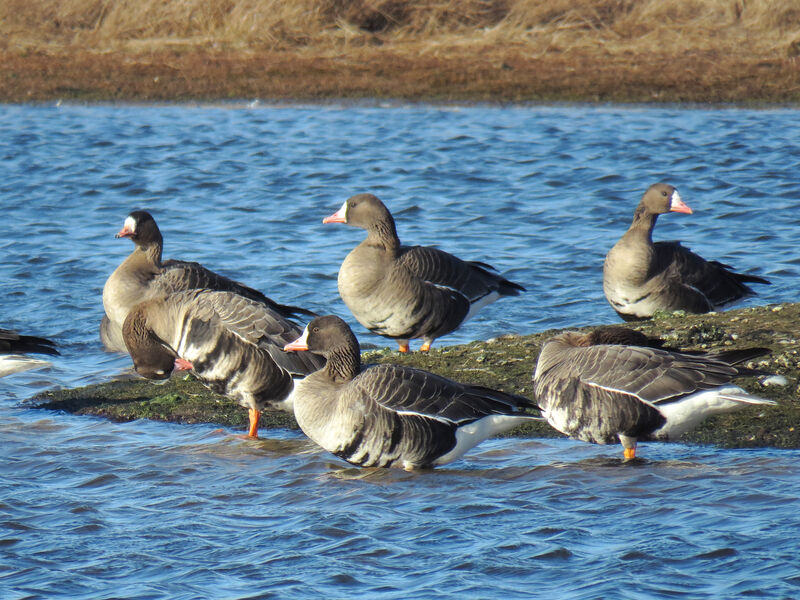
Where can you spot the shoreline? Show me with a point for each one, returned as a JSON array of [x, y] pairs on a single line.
[[496, 76], [505, 363]]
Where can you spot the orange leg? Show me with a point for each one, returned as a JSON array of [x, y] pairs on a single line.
[[630, 453], [402, 346], [254, 417], [425, 347]]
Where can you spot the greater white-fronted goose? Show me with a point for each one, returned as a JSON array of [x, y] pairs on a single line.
[[641, 277], [13, 347], [390, 415], [143, 275], [234, 345], [607, 393], [408, 292]]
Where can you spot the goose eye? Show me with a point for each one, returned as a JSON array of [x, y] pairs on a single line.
[[664, 194], [315, 329]]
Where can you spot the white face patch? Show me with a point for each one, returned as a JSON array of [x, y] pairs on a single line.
[[303, 339], [342, 212], [130, 224], [675, 199]]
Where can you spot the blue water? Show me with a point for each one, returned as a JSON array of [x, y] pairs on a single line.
[[93, 509]]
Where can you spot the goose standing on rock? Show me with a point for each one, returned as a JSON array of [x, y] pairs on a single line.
[[641, 277], [390, 415], [12, 347], [143, 275], [233, 344], [606, 393], [408, 292]]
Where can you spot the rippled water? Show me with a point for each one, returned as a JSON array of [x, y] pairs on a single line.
[[92, 509]]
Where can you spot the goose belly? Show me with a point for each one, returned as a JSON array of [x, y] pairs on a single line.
[[377, 306], [120, 294], [638, 301], [17, 363], [579, 427]]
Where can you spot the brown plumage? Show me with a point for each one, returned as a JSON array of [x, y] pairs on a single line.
[[143, 275], [409, 292], [607, 393], [391, 415], [641, 277], [234, 345]]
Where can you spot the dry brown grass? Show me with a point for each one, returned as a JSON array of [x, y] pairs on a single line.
[[761, 27], [604, 50]]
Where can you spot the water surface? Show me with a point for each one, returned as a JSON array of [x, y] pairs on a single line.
[[92, 509]]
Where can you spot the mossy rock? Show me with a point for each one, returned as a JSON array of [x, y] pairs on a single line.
[[506, 363]]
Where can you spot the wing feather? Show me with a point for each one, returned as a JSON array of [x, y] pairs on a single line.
[[406, 390]]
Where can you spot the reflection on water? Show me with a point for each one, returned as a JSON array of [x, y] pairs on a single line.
[[93, 509]]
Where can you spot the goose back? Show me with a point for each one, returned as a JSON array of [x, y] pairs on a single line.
[[598, 393], [233, 343]]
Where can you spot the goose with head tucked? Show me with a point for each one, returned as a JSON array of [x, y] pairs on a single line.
[[234, 345], [641, 277], [143, 275], [15, 347], [390, 415], [409, 292], [606, 389]]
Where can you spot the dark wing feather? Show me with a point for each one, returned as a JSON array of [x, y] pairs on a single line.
[[650, 374], [11, 341], [258, 324], [716, 281], [472, 279], [404, 389], [178, 275]]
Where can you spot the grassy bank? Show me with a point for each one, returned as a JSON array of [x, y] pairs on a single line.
[[507, 363], [494, 50]]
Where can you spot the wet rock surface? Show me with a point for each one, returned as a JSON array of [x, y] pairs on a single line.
[[507, 363]]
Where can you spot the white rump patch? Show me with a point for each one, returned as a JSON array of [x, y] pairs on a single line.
[[474, 307], [689, 412], [16, 363], [473, 434]]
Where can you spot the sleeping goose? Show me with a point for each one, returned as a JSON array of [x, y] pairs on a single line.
[[390, 415], [12, 345], [641, 277], [234, 345], [143, 275], [407, 292], [606, 393]]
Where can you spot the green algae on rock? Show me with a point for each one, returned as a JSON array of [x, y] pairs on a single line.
[[181, 399], [507, 363]]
